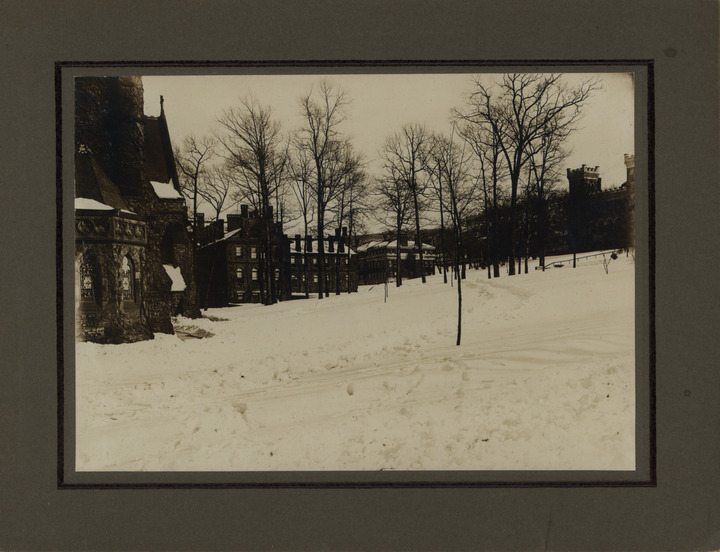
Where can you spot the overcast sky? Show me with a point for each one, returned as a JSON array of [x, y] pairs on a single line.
[[381, 104]]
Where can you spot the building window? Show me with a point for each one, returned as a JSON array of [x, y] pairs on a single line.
[[315, 279], [277, 274], [314, 260], [253, 253], [90, 278], [238, 250], [254, 274], [292, 260], [239, 273], [128, 280]]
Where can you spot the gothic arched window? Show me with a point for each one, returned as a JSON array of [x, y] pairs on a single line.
[[90, 277], [127, 276]]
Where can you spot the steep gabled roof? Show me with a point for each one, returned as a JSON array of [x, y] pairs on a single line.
[[159, 159], [91, 182]]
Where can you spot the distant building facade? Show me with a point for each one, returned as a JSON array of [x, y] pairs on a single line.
[[378, 261], [340, 268], [597, 218], [230, 263], [134, 267]]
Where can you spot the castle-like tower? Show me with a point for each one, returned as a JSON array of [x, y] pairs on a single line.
[[630, 167], [584, 181], [597, 218]]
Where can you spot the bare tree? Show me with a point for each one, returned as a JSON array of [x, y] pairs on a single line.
[[394, 210], [485, 143], [348, 203], [403, 154], [217, 189], [301, 173], [192, 160], [323, 111], [546, 158], [257, 153], [455, 168], [518, 109]]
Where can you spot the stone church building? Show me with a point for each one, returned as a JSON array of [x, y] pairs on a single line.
[[134, 265]]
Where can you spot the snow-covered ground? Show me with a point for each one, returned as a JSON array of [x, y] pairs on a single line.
[[543, 379]]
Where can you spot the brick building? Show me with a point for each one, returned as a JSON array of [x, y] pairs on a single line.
[[340, 267], [230, 262], [378, 261], [134, 267]]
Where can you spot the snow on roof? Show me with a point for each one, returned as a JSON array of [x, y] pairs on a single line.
[[165, 190], [225, 237], [393, 245], [85, 203], [178, 282], [315, 249]]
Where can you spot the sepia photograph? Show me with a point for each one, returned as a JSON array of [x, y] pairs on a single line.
[[364, 272]]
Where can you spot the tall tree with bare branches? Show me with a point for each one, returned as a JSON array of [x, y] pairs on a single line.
[[193, 159], [454, 162], [403, 155], [257, 152], [323, 110], [485, 143], [394, 209], [301, 173], [518, 109], [218, 189]]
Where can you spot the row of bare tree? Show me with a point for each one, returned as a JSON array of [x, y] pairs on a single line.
[[507, 141]]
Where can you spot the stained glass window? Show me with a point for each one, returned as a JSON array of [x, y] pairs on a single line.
[[127, 275], [90, 277]]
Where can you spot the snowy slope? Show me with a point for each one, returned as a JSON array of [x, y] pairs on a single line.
[[543, 379]]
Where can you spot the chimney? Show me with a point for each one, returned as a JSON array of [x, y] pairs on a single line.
[[200, 220], [308, 243], [331, 244], [297, 242], [244, 211], [270, 212], [341, 244], [234, 222], [344, 231]]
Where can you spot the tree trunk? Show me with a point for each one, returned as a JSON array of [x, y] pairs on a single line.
[[442, 234], [398, 272], [515, 177], [321, 253], [418, 243]]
